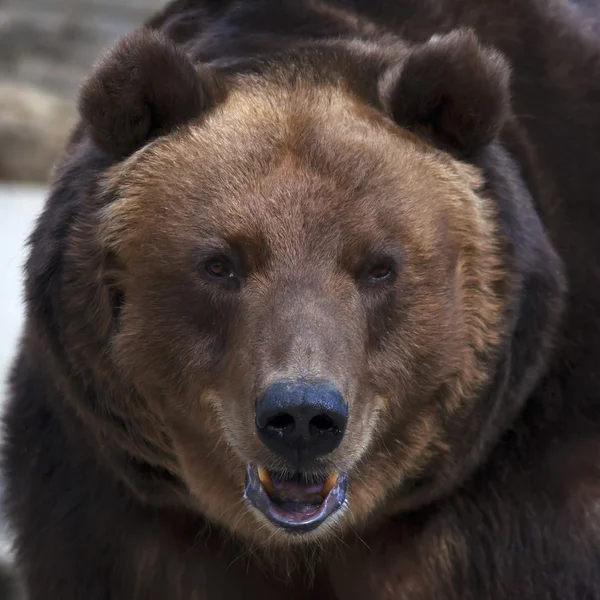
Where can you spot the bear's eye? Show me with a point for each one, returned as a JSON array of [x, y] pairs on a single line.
[[380, 271], [219, 268]]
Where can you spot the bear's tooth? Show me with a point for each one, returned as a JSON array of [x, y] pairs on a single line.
[[265, 479], [328, 485]]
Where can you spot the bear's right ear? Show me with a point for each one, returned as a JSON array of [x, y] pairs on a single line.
[[143, 88]]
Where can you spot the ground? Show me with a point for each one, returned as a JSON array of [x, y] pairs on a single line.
[[19, 206]]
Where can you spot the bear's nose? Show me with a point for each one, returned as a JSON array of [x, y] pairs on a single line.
[[301, 421]]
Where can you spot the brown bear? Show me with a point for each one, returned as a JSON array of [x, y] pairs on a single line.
[[313, 311]]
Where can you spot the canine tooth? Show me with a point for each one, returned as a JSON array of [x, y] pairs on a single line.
[[265, 479], [328, 485]]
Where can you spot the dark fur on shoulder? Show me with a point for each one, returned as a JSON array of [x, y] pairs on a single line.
[[8, 583], [304, 141]]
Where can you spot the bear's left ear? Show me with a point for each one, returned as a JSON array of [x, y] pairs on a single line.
[[451, 90], [145, 87]]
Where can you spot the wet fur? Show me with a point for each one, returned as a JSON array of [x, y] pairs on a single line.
[[474, 455]]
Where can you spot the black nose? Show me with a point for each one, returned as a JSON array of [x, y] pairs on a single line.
[[301, 421]]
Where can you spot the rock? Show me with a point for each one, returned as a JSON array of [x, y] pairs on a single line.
[[46, 49], [34, 126]]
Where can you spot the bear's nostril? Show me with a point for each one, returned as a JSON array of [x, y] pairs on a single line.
[[282, 421], [323, 424]]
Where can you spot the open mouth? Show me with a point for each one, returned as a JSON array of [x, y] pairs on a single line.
[[294, 503]]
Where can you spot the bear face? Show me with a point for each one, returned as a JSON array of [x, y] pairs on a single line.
[[274, 237], [383, 278]]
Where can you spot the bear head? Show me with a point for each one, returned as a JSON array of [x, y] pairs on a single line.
[[301, 293]]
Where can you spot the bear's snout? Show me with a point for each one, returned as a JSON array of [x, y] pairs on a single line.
[[301, 421]]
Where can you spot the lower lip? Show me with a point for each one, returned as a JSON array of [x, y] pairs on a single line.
[[294, 523]]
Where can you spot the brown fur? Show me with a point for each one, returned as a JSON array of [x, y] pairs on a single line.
[[272, 191]]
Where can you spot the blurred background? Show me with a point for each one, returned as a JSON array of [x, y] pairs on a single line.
[[46, 48]]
